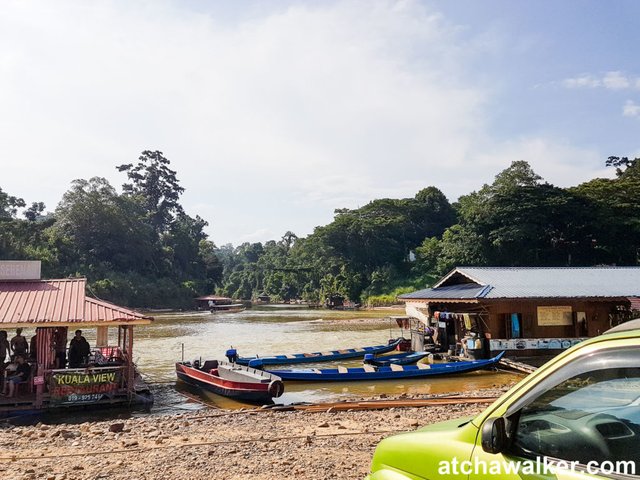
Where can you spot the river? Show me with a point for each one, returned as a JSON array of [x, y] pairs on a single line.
[[276, 330]]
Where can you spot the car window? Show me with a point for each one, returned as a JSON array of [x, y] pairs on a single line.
[[591, 417]]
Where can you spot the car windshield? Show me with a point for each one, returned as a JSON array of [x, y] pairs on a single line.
[[617, 392]]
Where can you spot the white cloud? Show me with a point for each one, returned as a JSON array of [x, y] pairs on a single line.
[[275, 118], [631, 109], [614, 80], [581, 81]]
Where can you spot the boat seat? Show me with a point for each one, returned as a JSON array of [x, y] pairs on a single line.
[[327, 354], [396, 368], [315, 370], [342, 369], [369, 368], [290, 356], [359, 349], [423, 366]]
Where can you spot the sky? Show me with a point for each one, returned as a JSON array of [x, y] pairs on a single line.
[[275, 113]]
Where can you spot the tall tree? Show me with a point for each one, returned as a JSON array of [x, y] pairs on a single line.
[[156, 184]]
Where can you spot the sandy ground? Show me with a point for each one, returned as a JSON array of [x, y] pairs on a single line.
[[214, 444]]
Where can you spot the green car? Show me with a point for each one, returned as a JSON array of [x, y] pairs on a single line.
[[576, 417]]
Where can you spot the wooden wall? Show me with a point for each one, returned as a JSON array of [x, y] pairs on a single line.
[[597, 317]]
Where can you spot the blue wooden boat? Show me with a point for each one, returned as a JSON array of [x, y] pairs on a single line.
[[328, 356], [405, 358], [392, 372]]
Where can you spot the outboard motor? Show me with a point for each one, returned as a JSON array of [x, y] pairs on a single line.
[[276, 388], [232, 355], [368, 357]]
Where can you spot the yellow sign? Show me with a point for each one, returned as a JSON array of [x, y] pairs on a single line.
[[555, 316]]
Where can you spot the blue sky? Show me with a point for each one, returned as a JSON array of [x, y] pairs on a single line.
[[276, 113]]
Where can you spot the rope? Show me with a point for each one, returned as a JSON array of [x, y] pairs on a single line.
[[196, 444]]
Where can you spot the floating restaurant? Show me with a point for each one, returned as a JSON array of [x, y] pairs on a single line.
[[525, 311], [96, 376]]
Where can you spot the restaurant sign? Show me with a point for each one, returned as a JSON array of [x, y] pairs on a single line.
[[553, 316], [69, 388]]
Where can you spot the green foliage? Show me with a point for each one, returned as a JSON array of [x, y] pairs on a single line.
[[141, 248], [356, 255], [136, 248], [156, 185], [519, 220]]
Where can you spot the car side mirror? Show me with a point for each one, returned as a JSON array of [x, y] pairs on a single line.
[[494, 435]]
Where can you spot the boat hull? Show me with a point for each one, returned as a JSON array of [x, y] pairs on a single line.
[[244, 391], [329, 356], [400, 359], [384, 373]]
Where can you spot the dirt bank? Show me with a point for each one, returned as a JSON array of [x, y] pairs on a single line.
[[214, 444]]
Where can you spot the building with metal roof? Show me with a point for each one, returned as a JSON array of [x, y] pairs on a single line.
[[103, 374], [526, 310]]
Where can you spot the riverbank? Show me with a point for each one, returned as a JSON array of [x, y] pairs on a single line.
[[216, 444]]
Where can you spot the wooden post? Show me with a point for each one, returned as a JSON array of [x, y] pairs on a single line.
[[130, 373], [39, 388], [102, 337]]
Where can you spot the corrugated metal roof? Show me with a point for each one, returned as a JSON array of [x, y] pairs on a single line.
[[539, 282], [462, 291], [56, 301], [101, 311]]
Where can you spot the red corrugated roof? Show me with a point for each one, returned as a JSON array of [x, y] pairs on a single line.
[[101, 311], [58, 301]]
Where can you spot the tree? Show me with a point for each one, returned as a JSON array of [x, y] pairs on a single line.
[[98, 230], [624, 167], [156, 184], [9, 205], [34, 212]]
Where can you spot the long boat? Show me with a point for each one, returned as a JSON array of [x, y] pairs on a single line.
[[404, 358], [239, 382], [392, 372], [327, 356], [228, 308]]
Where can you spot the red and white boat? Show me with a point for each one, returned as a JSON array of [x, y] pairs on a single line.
[[241, 383]]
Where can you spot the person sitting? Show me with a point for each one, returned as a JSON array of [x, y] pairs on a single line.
[[19, 344], [79, 350], [21, 374]]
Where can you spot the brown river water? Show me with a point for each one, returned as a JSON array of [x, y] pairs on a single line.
[[274, 330]]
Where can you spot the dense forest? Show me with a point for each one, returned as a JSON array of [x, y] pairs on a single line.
[[139, 247]]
